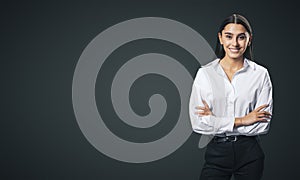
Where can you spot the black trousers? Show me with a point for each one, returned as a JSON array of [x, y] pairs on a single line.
[[244, 159]]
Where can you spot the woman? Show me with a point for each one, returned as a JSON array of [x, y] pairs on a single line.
[[231, 100]]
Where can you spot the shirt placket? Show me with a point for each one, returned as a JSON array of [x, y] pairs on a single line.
[[230, 99], [231, 95]]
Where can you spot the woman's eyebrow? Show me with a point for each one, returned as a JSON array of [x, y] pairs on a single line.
[[229, 33], [242, 34]]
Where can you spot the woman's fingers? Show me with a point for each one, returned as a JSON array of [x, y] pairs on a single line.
[[267, 113], [205, 104], [200, 108], [201, 113], [261, 107], [262, 120], [264, 114]]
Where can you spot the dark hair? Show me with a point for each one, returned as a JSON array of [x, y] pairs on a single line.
[[236, 19]]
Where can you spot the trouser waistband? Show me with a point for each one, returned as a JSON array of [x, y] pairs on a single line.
[[231, 138]]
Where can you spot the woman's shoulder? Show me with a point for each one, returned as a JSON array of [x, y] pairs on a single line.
[[256, 66], [207, 66], [211, 64]]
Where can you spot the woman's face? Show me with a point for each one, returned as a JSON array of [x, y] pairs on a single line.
[[235, 40]]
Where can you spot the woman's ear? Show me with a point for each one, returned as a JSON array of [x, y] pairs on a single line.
[[220, 38], [250, 40]]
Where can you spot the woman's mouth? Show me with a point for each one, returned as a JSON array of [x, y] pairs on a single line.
[[234, 50]]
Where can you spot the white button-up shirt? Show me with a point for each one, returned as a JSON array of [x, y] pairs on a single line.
[[249, 88]]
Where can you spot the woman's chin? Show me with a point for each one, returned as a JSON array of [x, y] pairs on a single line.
[[235, 56]]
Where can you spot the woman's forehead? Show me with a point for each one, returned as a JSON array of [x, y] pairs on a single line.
[[234, 28]]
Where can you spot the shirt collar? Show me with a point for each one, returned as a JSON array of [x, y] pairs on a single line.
[[215, 64]]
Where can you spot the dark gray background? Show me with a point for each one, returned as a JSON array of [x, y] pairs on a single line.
[[41, 43]]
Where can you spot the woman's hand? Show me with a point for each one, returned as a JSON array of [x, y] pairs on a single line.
[[257, 115], [203, 111]]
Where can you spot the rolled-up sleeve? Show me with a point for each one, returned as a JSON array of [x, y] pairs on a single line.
[[208, 125], [265, 97]]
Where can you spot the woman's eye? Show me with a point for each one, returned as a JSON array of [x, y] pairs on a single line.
[[242, 37], [228, 36]]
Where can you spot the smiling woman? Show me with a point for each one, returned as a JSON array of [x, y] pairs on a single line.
[[226, 29], [235, 40], [231, 100]]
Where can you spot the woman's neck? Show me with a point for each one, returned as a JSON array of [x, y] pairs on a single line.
[[232, 64]]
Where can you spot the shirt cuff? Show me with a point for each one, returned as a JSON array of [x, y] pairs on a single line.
[[224, 124]]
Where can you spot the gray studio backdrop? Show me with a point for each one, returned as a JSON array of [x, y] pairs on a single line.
[[99, 89]]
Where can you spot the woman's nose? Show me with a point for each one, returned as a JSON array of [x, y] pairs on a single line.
[[235, 42]]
